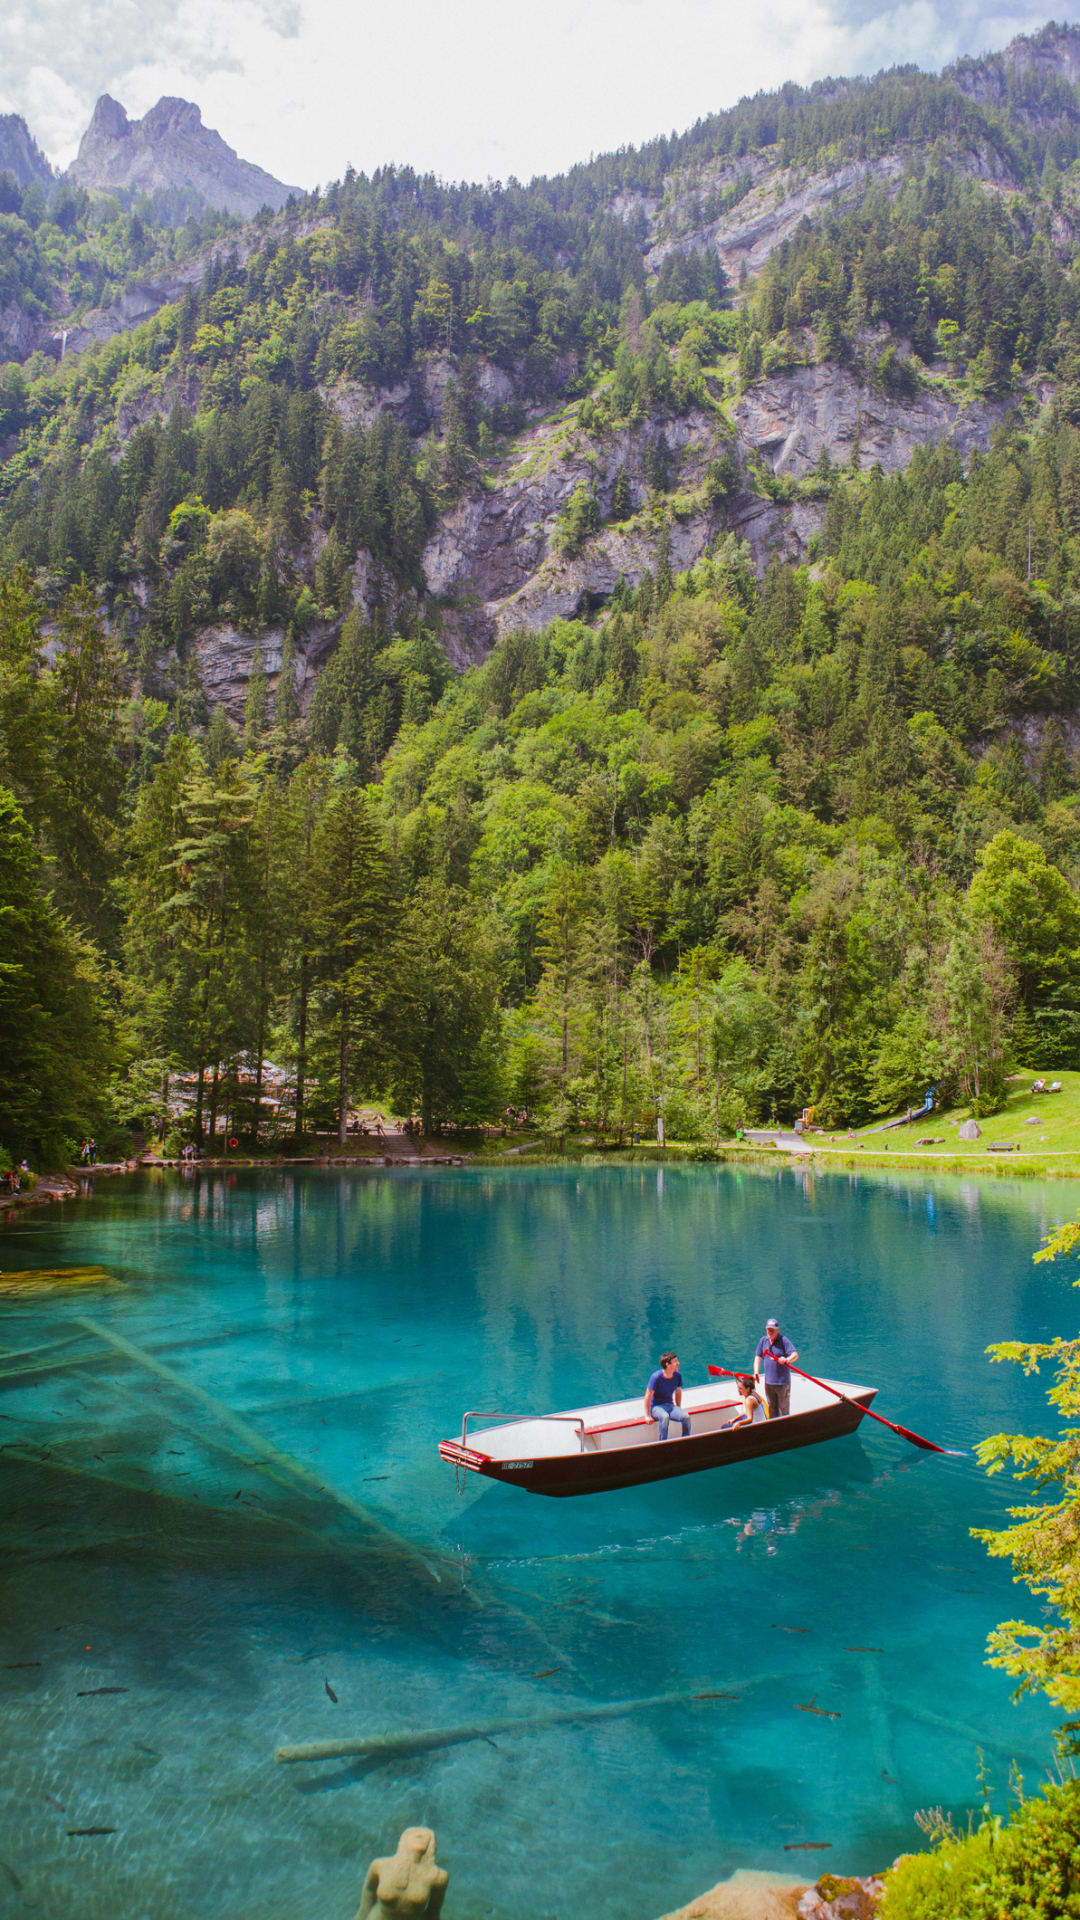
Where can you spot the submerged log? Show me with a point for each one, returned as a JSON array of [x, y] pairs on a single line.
[[393, 1746], [941, 1724], [267, 1456]]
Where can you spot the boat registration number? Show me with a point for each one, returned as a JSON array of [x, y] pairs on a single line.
[[516, 1466]]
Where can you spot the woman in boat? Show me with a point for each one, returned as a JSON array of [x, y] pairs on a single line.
[[752, 1403]]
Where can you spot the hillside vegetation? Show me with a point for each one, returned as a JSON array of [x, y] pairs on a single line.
[[745, 834]]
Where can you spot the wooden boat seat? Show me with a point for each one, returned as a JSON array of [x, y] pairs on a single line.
[[638, 1429]]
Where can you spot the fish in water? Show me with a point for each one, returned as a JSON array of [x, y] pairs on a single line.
[[85, 1693], [547, 1673], [12, 1876], [822, 1712], [807, 1846], [864, 1649], [714, 1696], [81, 1833], [330, 1692], [778, 1629], [54, 1803], [16, 1666]]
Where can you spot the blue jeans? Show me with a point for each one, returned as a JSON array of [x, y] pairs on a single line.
[[663, 1414]]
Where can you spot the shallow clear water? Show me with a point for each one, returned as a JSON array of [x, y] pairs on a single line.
[[152, 1544]]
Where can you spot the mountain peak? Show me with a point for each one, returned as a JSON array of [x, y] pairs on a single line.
[[20, 154], [108, 121], [170, 151]]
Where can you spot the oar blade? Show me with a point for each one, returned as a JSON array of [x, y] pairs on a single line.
[[928, 1446]]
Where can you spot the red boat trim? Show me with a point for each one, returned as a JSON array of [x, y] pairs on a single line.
[[460, 1456], [639, 1420]]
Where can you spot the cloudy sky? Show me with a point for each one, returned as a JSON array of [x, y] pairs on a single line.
[[476, 89]]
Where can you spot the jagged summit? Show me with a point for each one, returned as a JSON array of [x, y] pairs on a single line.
[[20, 154], [170, 151]]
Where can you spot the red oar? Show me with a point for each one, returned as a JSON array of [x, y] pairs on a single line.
[[916, 1439]]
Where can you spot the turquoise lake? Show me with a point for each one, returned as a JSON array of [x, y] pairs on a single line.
[[179, 1600]]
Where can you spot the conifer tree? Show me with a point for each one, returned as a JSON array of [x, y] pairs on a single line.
[[355, 921]]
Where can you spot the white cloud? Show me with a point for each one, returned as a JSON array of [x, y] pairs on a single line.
[[484, 87], [52, 104]]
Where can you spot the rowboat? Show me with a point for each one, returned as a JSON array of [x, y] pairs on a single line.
[[596, 1449]]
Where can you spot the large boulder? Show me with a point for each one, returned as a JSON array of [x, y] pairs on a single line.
[[970, 1130]]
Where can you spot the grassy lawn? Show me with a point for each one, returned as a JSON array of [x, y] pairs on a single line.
[[1045, 1126]]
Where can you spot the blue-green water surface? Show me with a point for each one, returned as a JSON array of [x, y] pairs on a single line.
[[170, 1546]]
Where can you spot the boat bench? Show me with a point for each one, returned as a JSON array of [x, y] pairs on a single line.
[[640, 1420]]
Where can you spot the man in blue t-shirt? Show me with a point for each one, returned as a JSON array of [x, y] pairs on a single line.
[[776, 1352], [663, 1396]]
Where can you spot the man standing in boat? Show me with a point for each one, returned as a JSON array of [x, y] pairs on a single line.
[[663, 1396], [776, 1352]]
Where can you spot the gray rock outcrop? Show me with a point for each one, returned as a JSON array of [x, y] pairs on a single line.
[[1053, 53], [970, 1130], [493, 562], [793, 417], [224, 656], [170, 151]]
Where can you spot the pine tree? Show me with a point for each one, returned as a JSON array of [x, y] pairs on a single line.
[[355, 919], [447, 1010]]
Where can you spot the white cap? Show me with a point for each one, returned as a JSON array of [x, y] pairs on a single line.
[[772, 1321]]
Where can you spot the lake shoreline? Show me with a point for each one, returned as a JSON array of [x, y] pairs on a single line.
[[840, 1159], [75, 1184]]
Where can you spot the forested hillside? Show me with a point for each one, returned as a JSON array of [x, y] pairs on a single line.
[[746, 467]]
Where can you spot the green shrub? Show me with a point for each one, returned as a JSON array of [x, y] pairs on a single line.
[[1027, 1870]]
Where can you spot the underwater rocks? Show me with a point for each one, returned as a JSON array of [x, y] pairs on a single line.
[[748, 1895], [840, 1897]]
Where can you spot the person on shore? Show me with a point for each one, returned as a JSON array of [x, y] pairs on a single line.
[[663, 1396], [753, 1406], [775, 1354]]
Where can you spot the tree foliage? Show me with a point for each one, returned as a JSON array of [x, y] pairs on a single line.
[[1043, 1541]]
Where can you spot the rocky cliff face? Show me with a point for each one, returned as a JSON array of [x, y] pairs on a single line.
[[494, 562], [793, 418], [20, 154], [1052, 54], [170, 150]]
